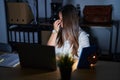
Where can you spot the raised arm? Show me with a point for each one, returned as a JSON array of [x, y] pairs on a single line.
[[52, 39]]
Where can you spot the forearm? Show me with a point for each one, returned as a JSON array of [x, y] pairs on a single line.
[[52, 39]]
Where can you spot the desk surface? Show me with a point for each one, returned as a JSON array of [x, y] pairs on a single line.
[[103, 71]]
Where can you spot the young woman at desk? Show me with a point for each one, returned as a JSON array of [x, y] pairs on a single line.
[[67, 36]]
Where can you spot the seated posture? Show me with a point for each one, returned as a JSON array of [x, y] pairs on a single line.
[[67, 35]]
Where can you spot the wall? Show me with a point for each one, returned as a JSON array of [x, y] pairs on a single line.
[[115, 3], [41, 7], [3, 34], [116, 10]]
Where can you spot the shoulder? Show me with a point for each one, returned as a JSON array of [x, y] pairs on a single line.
[[83, 38], [82, 33]]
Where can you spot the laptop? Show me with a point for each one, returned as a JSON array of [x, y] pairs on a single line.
[[84, 61], [36, 56]]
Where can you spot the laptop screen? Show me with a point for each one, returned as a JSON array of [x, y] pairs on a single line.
[[36, 56], [84, 61]]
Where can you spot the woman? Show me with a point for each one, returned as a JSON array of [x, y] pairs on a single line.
[[67, 36]]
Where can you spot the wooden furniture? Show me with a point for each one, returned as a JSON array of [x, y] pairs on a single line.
[[97, 14], [104, 70], [28, 33], [24, 32]]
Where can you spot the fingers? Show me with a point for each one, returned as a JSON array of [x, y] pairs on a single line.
[[57, 24]]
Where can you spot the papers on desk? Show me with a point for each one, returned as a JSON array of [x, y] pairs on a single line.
[[9, 60]]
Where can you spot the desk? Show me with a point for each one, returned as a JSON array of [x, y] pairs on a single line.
[[104, 70]]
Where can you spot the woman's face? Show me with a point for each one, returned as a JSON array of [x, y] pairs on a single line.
[[60, 17]]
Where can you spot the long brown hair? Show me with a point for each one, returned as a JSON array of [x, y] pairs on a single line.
[[70, 31]]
